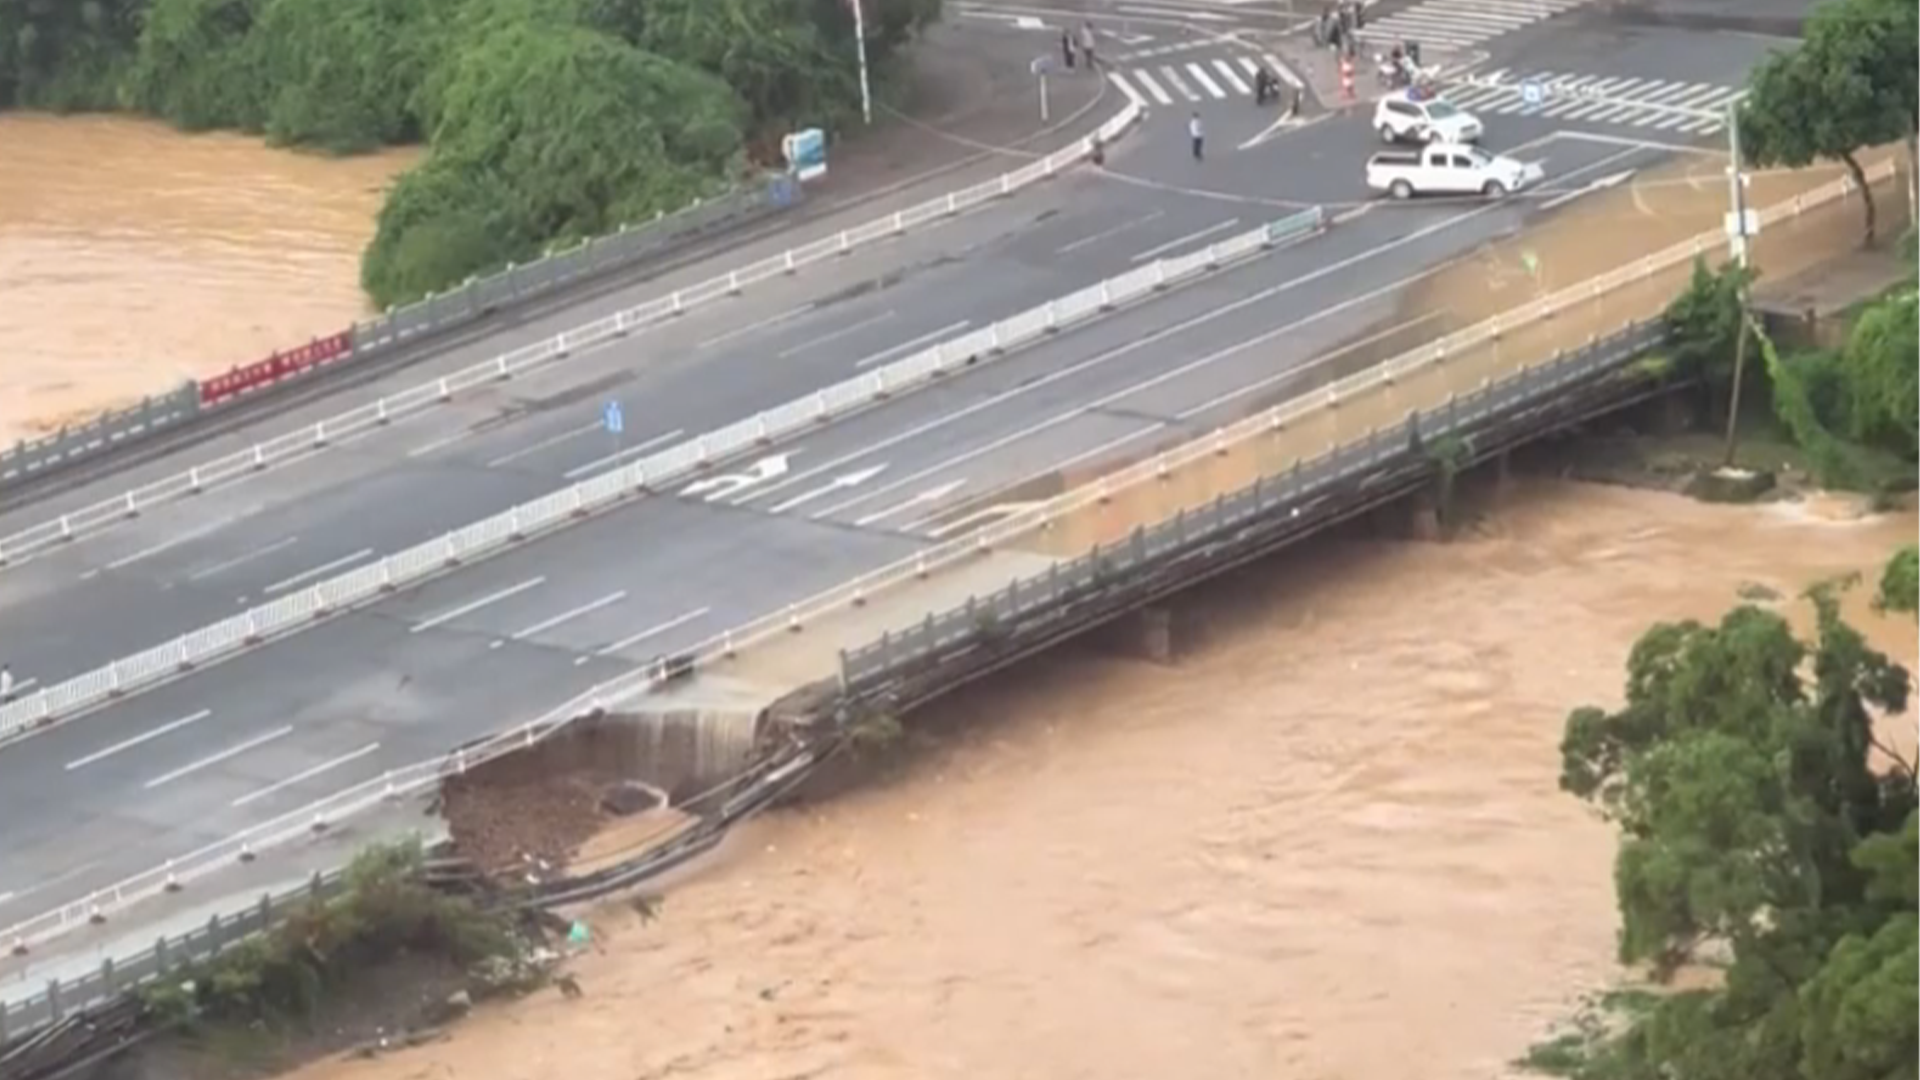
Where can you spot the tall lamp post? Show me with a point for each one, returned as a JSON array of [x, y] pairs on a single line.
[[860, 47]]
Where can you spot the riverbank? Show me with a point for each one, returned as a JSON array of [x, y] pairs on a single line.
[[1299, 852]]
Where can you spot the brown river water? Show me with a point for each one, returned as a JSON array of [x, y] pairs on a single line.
[[1325, 846], [133, 256]]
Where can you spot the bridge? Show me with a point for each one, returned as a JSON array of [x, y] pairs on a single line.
[[772, 491]]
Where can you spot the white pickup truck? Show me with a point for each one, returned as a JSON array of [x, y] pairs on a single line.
[[1448, 169]]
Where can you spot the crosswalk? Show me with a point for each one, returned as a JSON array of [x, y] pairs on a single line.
[[1668, 105], [1453, 25], [1206, 78]]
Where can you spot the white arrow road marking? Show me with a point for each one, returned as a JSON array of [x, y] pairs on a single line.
[[1601, 184], [931, 495], [852, 479], [716, 488]]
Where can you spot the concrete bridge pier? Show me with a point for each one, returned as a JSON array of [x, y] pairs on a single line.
[[1156, 633]]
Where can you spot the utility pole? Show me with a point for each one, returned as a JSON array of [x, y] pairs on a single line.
[[1737, 242], [860, 45]]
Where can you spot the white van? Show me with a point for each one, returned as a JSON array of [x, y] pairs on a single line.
[[1404, 117]]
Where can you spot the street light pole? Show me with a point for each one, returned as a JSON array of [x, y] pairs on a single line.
[[1737, 241], [860, 45]]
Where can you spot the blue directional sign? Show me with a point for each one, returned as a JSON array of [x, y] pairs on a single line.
[[1533, 93], [614, 419]]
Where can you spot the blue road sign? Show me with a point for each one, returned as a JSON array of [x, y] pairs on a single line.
[[1533, 93], [616, 422]]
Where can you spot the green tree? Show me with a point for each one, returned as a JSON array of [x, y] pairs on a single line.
[[1900, 582], [548, 133], [1880, 372], [1850, 85], [1742, 774], [1704, 321], [66, 55], [344, 72], [200, 65]]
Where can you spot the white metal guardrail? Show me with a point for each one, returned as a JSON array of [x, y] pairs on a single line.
[[316, 436], [413, 779], [297, 610]]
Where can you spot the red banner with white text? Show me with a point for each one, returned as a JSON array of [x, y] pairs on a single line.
[[242, 380]]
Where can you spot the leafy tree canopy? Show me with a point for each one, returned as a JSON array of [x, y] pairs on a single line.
[[1850, 85], [1759, 820]]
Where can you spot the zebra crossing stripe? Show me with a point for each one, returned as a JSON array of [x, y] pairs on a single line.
[[1174, 80], [1206, 81], [1635, 102], [1232, 76], [1457, 24], [1198, 80], [1153, 88]]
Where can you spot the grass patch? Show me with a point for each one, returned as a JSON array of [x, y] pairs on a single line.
[[324, 952]]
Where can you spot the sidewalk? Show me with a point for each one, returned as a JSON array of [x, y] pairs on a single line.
[[971, 98]]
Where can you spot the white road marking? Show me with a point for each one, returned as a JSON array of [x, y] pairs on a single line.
[[920, 430], [1105, 234], [1187, 239], [838, 483], [1127, 89], [652, 631], [441, 443], [171, 543], [545, 625], [1182, 14], [1205, 80], [1174, 80], [215, 759], [546, 443], [771, 467], [1146, 80], [638, 448], [145, 736], [1641, 144], [835, 335], [769, 321], [888, 354], [241, 560], [306, 774], [981, 516], [469, 608], [928, 496], [20, 685], [1232, 77], [318, 571]]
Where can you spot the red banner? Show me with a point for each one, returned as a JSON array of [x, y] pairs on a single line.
[[274, 368]]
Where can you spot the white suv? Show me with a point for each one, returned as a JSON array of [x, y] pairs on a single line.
[[1402, 116]]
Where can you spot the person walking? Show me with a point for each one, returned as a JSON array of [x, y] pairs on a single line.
[[1199, 136], [6, 684], [1088, 46], [1066, 48]]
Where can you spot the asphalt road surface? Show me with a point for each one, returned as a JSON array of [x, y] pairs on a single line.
[[500, 641]]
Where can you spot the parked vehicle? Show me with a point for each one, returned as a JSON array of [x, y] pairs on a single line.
[[1411, 116], [1448, 169]]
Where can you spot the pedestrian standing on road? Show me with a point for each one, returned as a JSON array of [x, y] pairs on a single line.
[[1066, 48], [6, 684], [1088, 45], [1199, 137]]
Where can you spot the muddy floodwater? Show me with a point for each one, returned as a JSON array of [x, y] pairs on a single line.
[[1326, 846], [133, 256]]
